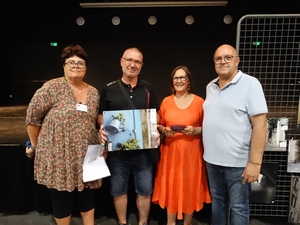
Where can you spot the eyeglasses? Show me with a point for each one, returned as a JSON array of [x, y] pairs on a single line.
[[72, 64], [227, 59], [136, 62], [181, 78]]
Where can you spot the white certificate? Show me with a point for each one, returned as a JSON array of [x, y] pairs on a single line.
[[94, 166]]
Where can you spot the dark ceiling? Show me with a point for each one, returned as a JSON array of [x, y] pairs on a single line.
[[18, 4]]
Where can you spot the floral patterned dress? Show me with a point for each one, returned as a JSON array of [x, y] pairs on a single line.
[[64, 135]]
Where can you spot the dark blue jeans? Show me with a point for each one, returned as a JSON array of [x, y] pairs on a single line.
[[228, 192], [121, 167]]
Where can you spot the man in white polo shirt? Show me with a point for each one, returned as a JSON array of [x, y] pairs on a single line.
[[234, 137]]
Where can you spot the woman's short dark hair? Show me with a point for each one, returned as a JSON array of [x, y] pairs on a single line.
[[73, 50], [187, 72]]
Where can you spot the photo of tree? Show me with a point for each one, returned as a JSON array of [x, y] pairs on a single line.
[[294, 213], [293, 164], [276, 137]]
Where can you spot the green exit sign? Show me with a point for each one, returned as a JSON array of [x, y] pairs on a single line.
[[256, 43]]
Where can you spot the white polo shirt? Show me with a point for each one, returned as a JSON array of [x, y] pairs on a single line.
[[227, 126]]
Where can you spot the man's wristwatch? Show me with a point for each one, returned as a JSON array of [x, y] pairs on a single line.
[[33, 148]]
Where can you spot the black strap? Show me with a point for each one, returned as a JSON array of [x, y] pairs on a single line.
[[125, 94]]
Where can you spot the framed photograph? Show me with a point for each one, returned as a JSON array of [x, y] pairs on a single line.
[[263, 190], [130, 129], [298, 118], [294, 205], [276, 136], [293, 163]]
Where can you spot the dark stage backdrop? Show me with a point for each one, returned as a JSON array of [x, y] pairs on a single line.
[[29, 60]]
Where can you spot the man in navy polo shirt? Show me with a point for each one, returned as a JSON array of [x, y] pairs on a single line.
[[234, 137], [121, 163]]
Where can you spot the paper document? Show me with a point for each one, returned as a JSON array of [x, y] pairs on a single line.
[[94, 166]]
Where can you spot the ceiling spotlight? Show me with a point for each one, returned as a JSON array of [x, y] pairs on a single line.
[[227, 19], [189, 20], [80, 21], [116, 20], [152, 20]]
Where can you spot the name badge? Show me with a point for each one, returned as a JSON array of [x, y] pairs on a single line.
[[81, 107]]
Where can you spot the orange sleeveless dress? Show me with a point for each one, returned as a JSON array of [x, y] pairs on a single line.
[[181, 181]]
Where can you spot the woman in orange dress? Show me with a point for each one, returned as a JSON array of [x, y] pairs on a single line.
[[181, 181]]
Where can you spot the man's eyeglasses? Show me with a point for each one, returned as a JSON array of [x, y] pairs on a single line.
[[227, 59], [181, 78], [72, 64], [136, 62]]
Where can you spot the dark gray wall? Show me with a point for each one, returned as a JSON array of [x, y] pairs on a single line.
[[29, 59]]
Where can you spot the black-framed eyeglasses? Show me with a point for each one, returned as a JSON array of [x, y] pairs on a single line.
[[227, 59], [129, 61], [181, 78], [72, 64]]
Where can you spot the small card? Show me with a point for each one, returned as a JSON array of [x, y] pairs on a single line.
[[178, 128], [81, 107]]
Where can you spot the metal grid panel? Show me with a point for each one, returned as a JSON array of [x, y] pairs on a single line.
[[269, 46], [280, 206]]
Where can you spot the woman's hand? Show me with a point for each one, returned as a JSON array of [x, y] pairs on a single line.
[[158, 138], [103, 152], [190, 130], [29, 152], [168, 132]]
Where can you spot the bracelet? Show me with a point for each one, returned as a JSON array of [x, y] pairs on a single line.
[[255, 163], [32, 148]]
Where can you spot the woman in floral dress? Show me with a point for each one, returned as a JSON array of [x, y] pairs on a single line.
[[61, 123]]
